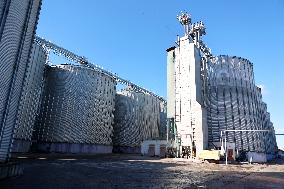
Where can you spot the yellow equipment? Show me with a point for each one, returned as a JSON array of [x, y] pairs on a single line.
[[209, 154]]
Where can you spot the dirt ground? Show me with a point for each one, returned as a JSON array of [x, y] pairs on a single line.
[[134, 171]]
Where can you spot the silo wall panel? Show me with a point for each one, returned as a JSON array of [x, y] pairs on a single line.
[[18, 24], [77, 111], [235, 103], [136, 118], [30, 100]]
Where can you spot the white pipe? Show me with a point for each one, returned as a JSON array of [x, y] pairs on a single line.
[[226, 149]]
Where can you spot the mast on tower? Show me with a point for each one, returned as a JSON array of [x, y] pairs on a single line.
[[194, 30], [185, 19]]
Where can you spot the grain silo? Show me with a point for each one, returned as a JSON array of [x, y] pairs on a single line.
[[18, 21], [213, 102], [230, 91], [30, 100], [77, 111], [137, 118], [234, 102]]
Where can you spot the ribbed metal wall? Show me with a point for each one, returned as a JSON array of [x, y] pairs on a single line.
[[234, 102], [30, 99], [269, 137], [18, 20], [77, 106], [136, 118]]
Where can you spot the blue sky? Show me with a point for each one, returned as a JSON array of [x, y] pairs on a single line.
[[130, 37]]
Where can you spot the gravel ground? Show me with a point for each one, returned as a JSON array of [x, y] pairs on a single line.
[[134, 171]]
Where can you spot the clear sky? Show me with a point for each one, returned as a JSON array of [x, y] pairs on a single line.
[[129, 37]]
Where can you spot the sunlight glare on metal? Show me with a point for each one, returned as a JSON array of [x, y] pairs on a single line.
[[22, 157], [67, 159]]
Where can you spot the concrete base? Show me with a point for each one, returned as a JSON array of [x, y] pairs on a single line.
[[270, 157], [21, 146], [10, 169], [127, 149], [73, 148], [256, 157]]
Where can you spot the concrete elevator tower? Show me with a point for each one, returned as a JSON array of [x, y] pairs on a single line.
[[185, 108]]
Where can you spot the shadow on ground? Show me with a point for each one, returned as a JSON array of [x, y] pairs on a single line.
[[50, 171]]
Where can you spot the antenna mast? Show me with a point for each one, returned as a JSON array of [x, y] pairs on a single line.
[[184, 19]]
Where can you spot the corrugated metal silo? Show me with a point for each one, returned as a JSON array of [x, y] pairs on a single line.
[[235, 103], [137, 118], [18, 20], [232, 101], [30, 100], [77, 111]]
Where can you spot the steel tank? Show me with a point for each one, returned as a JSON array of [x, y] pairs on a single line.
[[30, 100], [77, 111], [234, 102], [18, 20], [137, 118]]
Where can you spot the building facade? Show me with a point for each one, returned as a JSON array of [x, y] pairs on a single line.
[[189, 110]]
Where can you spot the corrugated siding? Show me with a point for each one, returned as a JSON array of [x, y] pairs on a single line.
[[77, 106], [235, 103], [137, 118], [30, 99], [17, 30]]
